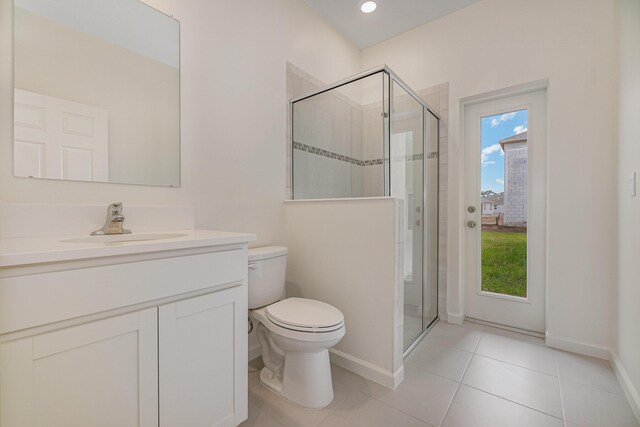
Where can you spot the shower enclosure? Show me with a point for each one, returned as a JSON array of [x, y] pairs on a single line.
[[372, 136]]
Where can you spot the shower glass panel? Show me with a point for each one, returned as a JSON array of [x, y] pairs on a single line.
[[339, 141], [372, 136], [407, 184]]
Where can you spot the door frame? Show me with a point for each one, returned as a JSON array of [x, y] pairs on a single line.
[[463, 216]]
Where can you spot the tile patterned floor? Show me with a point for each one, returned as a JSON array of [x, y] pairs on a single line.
[[468, 375]]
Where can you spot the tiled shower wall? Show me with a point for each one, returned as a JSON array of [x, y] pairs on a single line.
[[366, 178], [327, 142], [372, 150]]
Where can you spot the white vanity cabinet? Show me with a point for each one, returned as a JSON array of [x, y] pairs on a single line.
[[102, 373], [145, 340], [200, 368]]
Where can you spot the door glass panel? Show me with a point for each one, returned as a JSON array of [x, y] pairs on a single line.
[[504, 203]]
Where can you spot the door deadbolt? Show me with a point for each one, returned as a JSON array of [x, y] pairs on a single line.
[[471, 224], [471, 209]]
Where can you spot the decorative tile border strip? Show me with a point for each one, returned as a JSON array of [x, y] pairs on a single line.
[[325, 153], [341, 157]]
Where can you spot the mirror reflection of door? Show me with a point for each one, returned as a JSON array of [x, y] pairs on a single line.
[[59, 139]]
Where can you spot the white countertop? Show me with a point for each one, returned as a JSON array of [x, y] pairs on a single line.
[[34, 250]]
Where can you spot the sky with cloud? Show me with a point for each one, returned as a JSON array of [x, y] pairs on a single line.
[[495, 128]]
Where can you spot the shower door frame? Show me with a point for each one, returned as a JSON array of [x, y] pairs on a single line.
[[427, 328], [426, 108]]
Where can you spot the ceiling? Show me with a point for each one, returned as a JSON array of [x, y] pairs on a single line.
[[391, 18]]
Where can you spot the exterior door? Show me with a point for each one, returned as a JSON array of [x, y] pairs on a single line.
[[59, 139], [505, 208]]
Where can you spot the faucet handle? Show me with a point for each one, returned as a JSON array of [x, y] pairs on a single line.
[[114, 209]]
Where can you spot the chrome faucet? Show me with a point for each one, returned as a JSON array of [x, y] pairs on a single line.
[[114, 222]]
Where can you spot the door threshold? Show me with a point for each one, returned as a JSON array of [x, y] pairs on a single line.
[[505, 327]]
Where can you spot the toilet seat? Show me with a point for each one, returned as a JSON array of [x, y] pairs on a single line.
[[289, 332], [305, 315]]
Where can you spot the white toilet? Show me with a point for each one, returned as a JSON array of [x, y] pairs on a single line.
[[295, 333]]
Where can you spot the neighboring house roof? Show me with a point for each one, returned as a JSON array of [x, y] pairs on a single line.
[[496, 199], [519, 137]]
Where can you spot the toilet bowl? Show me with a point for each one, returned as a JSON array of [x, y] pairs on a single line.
[[295, 334]]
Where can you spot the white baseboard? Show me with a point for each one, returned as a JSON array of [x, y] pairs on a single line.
[[367, 370], [629, 389], [353, 364], [579, 347], [254, 351], [455, 318]]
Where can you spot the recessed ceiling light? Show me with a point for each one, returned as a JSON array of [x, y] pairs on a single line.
[[368, 6]]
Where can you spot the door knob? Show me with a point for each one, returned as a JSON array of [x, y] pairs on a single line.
[[471, 209], [471, 224]]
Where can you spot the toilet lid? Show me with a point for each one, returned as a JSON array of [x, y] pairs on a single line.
[[304, 314]]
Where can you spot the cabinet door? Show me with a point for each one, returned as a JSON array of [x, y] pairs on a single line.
[[103, 373], [203, 360]]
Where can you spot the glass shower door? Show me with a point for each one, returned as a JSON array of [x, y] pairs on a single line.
[[407, 184], [431, 213]]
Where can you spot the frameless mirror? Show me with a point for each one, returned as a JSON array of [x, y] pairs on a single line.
[[96, 92]]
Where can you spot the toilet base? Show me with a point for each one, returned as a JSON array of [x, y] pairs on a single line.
[[306, 380]]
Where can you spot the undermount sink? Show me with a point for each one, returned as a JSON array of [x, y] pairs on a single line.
[[122, 238]]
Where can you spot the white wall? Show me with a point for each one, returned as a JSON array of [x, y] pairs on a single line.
[[348, 253], [627, 315], [233, 112], [495, 44]]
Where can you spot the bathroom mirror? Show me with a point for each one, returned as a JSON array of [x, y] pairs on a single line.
[[96, 92]]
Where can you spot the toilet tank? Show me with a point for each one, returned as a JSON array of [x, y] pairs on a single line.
[[267, 267]]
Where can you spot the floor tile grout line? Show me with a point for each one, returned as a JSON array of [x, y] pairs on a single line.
[[349, 394], [512, 401], [478, 343], [564, 412], [518, 366], [450, 404], [393, 407], [442, 342], [430, 339], [594, 388], [457, 389]]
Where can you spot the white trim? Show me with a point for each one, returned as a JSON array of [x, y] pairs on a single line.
[[627, 386], [367, 370], [340, 199], [254, 352], [353, 364], [579, 347], [506, 92], [480, 292], [455, 318], [505, 327]]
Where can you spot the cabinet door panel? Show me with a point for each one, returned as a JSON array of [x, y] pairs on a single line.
[[203, 360], [102, 373]]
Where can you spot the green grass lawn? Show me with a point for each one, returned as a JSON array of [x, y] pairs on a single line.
[[504, 263]]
